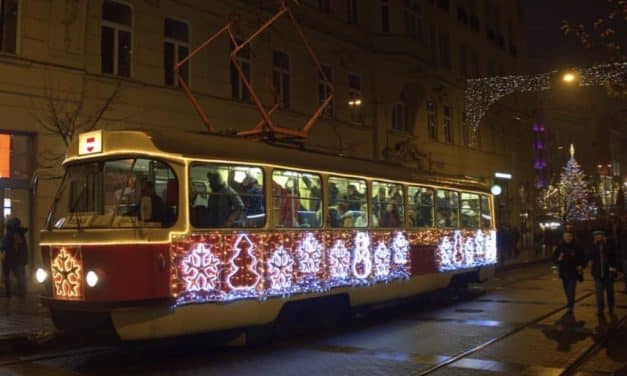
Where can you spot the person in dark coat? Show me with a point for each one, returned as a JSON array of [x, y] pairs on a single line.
[[571, 259], [604, 263], [623, 248], [15, 255]]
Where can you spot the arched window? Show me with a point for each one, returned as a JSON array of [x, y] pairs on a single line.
[[400, 115], [432, 119]]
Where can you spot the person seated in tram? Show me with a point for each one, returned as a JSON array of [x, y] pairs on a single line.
[[252, 197], [362, 220], [151, 205], [353, 198], [225, 205], [391, 217]]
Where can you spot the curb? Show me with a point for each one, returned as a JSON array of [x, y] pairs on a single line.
[[522, 264]]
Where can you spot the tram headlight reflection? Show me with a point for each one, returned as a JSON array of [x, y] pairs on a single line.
[[91, 278], [41, 275]]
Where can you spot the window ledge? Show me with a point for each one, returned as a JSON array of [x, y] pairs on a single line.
[[10, 58]]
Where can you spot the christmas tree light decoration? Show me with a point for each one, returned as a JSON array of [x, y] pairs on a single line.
[[280, 270], [244, 278], [444, 254], [309, 254], [459, 258], [67, 275], [490, 248], [480, 244], [469, 250], [574, 192], [382, 257], [199, 269], [362, 263], [339, 261]]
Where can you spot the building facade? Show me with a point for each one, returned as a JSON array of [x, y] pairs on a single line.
[[398, 69]]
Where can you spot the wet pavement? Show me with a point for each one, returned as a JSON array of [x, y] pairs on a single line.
[[514, 324]]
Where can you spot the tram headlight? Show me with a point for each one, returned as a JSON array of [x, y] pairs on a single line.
[[41, 275], [91, 278]]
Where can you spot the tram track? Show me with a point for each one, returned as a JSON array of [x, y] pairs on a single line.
[[467, 353], [100, 350]]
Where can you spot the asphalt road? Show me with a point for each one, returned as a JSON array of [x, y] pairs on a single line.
[[514, 324]]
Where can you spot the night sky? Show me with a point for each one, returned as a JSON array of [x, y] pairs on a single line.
[[545, 45]]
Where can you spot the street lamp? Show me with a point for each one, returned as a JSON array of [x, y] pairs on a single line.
[[569, 77]]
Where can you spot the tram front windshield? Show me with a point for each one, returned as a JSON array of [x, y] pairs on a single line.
[[116, 193]]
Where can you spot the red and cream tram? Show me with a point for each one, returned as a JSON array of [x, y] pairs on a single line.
[[160, 235]]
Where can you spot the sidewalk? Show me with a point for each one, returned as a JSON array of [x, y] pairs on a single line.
[[524, 257], [23, 317]]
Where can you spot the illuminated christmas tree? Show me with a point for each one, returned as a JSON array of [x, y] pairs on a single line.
[[574, 191]]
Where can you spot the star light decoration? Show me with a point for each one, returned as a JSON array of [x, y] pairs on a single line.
[[481, 93], [218, 267], [67, 274]]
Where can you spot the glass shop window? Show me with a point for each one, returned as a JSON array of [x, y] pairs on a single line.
[[447, 208], [348, 204], [296, 199], [225, 196], [420, 207], [387, 204], [470, 210]]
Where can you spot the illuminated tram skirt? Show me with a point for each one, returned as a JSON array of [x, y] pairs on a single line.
[[218, 267]]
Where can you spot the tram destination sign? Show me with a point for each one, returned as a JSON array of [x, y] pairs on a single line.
[[90, 142]]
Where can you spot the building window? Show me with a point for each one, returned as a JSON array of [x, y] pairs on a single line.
[[432, 123], [324, 90], [385, 16], [463, 60], [355, 101], [8, 26], [281, 77], [465, 129], [443, 4], [238, 90], [445, 53], [448, 124], [116, 35], [413, 22], [175, 49], [324, 6], [351, 12], [400, 115]]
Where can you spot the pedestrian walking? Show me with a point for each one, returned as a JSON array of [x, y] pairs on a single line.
[[604, 263], [570, 258], [14, 255]]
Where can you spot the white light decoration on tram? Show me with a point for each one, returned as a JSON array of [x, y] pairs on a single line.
[[457, 251], [362, 263], [280, 270], [339, 260], [41, 275], [382, 256], [200, 269], [243, 279], [91, 278], [309, 253]]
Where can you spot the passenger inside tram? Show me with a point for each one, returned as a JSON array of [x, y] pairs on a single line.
[[344, 211], [296, 199], [225, 205]]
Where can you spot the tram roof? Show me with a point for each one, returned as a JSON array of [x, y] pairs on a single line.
[[205, 146]]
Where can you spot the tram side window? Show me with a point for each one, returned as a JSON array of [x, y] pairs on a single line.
[[420, 207], [486, 214], [225, 196], [469, 210], [296, 199], [348, 204], [387, 204], [447, 206]]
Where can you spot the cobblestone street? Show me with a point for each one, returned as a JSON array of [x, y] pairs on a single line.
[[517, 326]]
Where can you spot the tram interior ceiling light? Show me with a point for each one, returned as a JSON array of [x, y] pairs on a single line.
[[481, 93]]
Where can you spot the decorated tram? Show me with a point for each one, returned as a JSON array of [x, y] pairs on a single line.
[[155, 235]]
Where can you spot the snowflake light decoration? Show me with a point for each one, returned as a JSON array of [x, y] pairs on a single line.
[[200, 269], [67, 275], [280, 270]]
